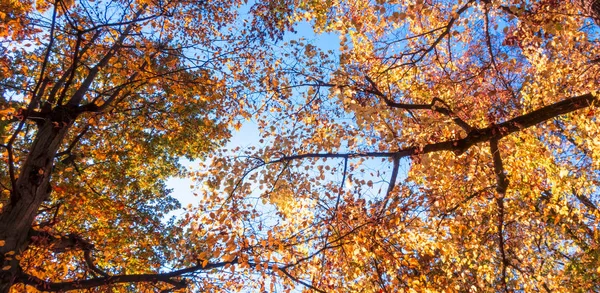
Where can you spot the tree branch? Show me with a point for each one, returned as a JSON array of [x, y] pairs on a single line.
[[425, 51], [444, 110], [75, 100], [74, 64], [501, 244], [59, 243], [170, 278], [392, 185], [87, 256], [501, 181], [337, 202], [459, 146], [300, 281], [451, 210], [585, 201], [65, 243], [36, 94], [488, 40], [74, 142], [501, 186], [51, 100]]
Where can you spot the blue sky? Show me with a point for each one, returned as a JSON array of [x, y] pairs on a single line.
[[249, 134]]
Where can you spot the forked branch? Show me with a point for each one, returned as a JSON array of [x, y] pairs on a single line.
[[443, 108], [59, 244]]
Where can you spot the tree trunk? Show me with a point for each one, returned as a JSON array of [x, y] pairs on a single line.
[[31, 188]]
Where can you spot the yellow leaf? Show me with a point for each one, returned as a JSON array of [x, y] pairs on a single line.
[[228, 258], [563, 173], [6, 112], [237, 126], [6, 268]]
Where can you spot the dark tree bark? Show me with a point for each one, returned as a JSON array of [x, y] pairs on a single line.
[[31, 188]]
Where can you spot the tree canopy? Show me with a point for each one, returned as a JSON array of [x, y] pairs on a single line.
[[442, 146]]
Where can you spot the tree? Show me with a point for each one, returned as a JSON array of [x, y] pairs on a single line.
[[99, 100], [448, 146]]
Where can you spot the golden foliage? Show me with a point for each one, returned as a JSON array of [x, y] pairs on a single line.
[[433, 146]]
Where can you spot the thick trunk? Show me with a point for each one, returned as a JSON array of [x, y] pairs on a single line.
[[33, 183], [31, 188]]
